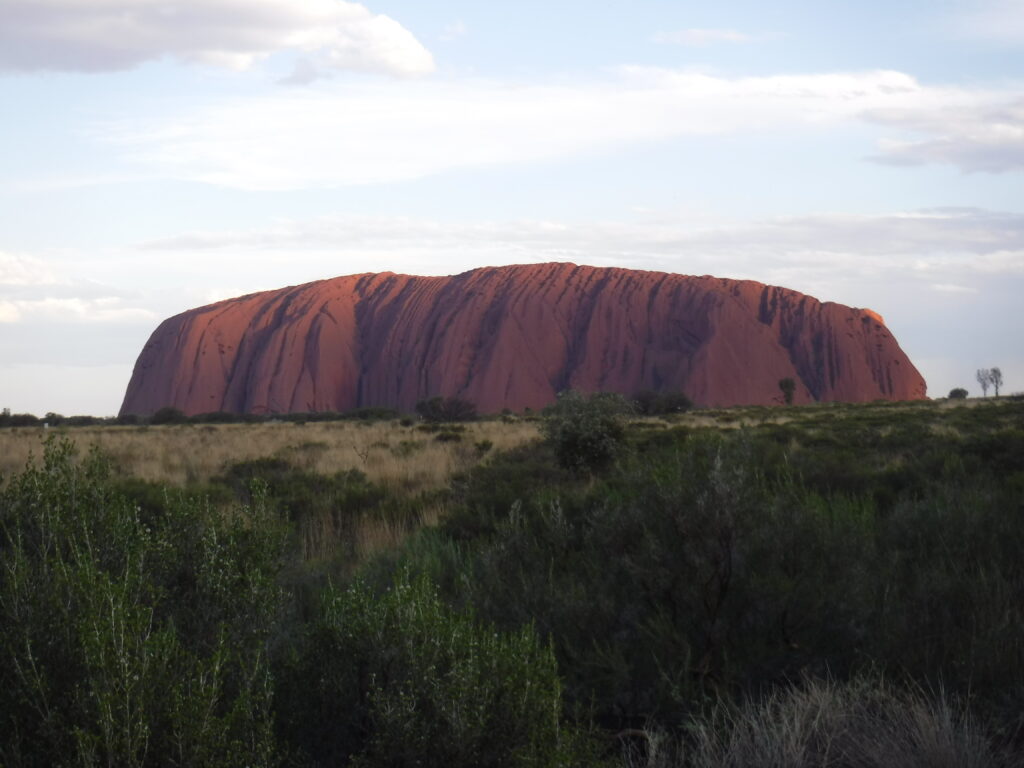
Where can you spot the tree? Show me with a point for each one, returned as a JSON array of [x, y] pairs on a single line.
[[984, 377], [788, 387], [959, 393], [996, 377], [586, 431]]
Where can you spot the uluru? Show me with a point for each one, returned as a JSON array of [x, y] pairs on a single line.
[[513, 337]]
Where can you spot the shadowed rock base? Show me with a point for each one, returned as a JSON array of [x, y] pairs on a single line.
[[512, 337]]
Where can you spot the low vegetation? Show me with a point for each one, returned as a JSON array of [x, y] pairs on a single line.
[[800, 586]]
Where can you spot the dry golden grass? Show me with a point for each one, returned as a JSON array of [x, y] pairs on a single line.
[[401, 459]]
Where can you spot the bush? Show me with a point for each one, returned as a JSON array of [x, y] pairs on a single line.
[[788, 388], [168, 415], [131, 639], [401, 680], [587, 432], [439, 409], [650, 403], [958, 393]]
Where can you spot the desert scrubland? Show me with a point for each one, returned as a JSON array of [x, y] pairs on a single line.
[[793, 586]]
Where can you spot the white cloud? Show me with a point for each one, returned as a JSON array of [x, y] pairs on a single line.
[[33, 289], [932, 249], [104, 35], [79, 310], [702, 37], [974, 135], [18, 270], [385, 132]]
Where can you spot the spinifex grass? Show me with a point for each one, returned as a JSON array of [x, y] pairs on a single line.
[[396, 457]]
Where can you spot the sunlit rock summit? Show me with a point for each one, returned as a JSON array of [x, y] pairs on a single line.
[[513, 337]]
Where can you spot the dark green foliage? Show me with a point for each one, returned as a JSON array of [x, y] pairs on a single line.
[[372, 414], [958, 393], [401, 680], [168, 415], [8, 419], [129, 639], [788, 388], [650, 403], [696, 585], [586, 432], [143, 634], [216, 417], [705, 564], [312, 501], [441, 409]]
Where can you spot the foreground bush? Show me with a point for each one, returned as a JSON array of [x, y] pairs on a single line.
[[402, 680], [702, 566], [129, 640]]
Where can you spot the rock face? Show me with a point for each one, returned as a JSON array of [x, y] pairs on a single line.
[[512, 337]]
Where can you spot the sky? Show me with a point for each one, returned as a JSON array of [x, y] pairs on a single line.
[[158, 155]]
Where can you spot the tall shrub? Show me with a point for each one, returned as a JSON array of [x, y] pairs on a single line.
[[587, 432], [131, 639], [402, 680]]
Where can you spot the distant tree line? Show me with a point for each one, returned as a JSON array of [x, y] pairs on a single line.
[[435, 410]]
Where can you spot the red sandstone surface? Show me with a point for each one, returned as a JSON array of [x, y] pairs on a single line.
[[512, 337]]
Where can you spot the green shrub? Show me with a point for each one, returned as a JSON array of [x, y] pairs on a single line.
[[401, 680], [650, 403], [131, 639], [441, 409], [788, 388], [587, 432], [168, 415], [958, 393]]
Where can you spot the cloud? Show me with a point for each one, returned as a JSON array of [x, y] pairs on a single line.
[[102, 310], [975, 137], [360, 133], [16, 270], [929, 249], [701, 37], [105, 35], [32, 289]]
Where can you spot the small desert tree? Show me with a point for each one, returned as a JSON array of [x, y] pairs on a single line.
[[958, 393], [996, 377], [788, 387], [984, 377], [587, 432]]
